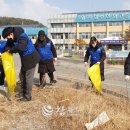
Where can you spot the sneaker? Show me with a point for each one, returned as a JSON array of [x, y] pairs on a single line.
[[23, 99], [52, 81]]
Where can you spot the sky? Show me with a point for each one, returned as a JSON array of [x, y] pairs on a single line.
[[41, 10]]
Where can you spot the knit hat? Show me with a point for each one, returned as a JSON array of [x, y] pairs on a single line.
[[41, 32]]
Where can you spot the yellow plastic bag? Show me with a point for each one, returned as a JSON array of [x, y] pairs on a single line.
[[94, 74], [8, 65]]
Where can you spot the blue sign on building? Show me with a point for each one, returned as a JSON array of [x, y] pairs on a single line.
[[103, 16], [34, 31]]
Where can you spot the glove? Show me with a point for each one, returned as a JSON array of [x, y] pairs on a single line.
[[98, 62], [55, 59], [127, 77], [85, 64]]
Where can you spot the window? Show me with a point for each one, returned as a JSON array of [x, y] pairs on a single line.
[[84, 35], [57, 36], [72, 36], [115, 23], [66, 46], [84, 24], [115, 34], [72, 47], [57, 25], [127, 23], [66, 35], [100, 34], [69, 25], [100, 24]]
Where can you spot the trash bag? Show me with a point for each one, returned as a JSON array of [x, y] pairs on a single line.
[[8, 65], [94, 74]]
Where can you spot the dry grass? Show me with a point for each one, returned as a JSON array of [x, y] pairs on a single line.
[[79, 107]]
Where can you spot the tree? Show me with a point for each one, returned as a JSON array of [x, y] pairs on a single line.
[[6, 21], [126, 36], [79, 43]]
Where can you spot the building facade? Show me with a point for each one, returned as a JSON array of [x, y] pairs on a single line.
[[108, 27]]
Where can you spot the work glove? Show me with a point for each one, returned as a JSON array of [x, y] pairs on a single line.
[[127, 77], [55, 59], [98, 62], [85, 64]]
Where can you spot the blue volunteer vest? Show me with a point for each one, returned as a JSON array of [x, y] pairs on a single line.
[[29, 48], [95, 55], [45, 51], [2, 46]]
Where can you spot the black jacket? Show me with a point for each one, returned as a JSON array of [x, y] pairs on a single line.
[[127, 65], [29, 61]]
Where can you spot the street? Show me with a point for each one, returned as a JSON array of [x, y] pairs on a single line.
[[114, 74]]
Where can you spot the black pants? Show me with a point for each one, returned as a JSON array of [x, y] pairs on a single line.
[[26, 78], [42, 77], [2, 74]]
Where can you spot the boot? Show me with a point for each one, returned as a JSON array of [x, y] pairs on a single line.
[[42, 80], [52, 81]]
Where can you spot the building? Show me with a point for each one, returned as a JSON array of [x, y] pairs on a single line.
[[107, 26]]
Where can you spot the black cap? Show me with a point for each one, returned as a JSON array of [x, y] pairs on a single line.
[[41, 32], [6, 32]]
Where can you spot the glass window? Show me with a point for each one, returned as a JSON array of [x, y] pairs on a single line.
[[115, 34], [66, 46], [57, 25], [66, 35], [100, 24], [115, 23], [84, 35], [127, 23], [100, 34], [84, 24], [69, 25], [72, 36], [72, 47], [57, 36]]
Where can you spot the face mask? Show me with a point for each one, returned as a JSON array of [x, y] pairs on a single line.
[[10, 40], [93, 45], [41, 38]]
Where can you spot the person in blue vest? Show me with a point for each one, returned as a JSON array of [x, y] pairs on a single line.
[[2, 74], [22, 44], [48, 55], [97, 55]]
